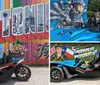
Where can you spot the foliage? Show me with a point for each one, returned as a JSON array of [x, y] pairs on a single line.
[[93, 6]]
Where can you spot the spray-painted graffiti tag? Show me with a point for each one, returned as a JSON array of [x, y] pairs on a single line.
[[42, 50]]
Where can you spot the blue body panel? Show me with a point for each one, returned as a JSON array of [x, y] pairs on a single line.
[[74, 34], [69, 63]]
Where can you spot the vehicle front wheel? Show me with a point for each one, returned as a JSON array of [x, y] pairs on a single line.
[[23, 73], [56, 74]]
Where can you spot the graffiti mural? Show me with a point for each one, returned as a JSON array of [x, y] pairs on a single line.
[[30, 20], [79, 53], [17, 24], [47, 16], [18, 50], [5, 16], [64, 51], [24, 30], [43, 49], [69, 13], [69, 21]]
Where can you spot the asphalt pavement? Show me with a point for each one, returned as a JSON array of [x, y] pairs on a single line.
[[79, 81], [39, 77]]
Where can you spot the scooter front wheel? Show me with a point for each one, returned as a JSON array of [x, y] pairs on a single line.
[[23, 73]]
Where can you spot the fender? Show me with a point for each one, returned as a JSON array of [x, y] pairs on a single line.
[[6, 66], [58, 64], [7, 75], [68, 75]]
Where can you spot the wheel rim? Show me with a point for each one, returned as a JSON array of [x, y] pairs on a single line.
[[23, 72], [55, 74]]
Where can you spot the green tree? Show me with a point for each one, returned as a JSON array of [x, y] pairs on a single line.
[[94, 5]]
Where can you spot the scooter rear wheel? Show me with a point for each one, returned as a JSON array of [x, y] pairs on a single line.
[[23, 73]]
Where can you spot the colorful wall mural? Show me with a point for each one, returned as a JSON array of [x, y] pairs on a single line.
[[24, 27], [69, 21], [63, 51]]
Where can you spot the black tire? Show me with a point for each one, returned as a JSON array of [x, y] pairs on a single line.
[[23, 70], [56, 74]]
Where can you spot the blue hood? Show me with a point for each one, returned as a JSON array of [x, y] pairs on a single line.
[[74, 34]]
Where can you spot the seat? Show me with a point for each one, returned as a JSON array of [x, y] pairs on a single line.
[[96, 60]]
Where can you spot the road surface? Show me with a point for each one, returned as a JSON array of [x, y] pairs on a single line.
[[39, 77], [79, 81]]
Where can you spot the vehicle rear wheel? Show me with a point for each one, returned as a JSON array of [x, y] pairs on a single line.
[[56, 74], [23, 73]]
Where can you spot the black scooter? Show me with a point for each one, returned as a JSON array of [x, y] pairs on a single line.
[[21, 71]]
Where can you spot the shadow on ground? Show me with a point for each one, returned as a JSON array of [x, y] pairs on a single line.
[[82, 78], [79, 79], [11, 81]]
